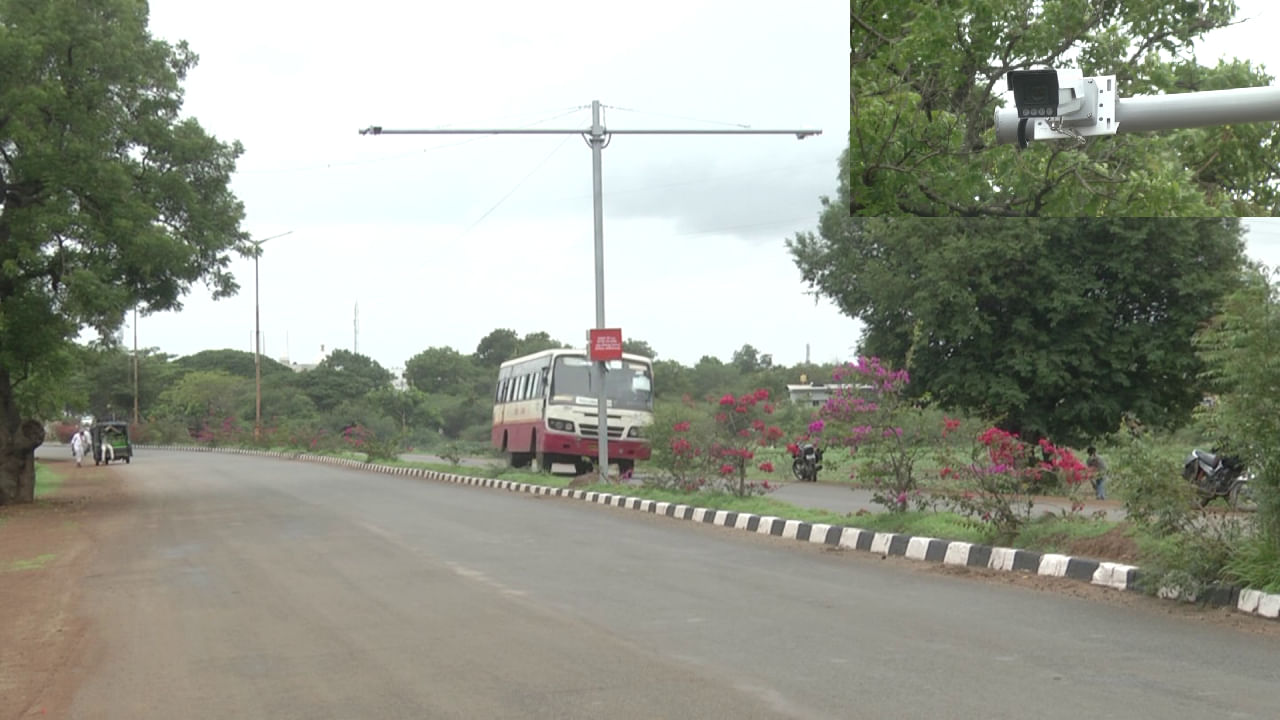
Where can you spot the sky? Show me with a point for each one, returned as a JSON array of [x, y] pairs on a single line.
[[440, 239]]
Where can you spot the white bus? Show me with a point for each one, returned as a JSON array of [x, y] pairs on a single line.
[[545, 410]]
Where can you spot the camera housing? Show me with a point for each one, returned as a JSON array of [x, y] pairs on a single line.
[[1057, 105]]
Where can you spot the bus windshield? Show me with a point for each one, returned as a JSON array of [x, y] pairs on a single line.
[[628, 385]]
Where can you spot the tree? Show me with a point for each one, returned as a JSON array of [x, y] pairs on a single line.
[[440, 370], [536, 342], [746, 359], [1050, 327], [206, 396], [711, 376], [111, 200], [922, 140], [497, 347], [236, 362], [1239, 348], [638, 347], [343, 375]]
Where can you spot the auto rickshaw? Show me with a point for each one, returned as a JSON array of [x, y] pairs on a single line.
[[114, 434]]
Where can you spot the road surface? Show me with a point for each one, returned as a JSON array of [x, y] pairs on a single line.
[[248, 587]]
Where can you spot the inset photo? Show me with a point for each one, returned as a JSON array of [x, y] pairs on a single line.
[[1063, 108]]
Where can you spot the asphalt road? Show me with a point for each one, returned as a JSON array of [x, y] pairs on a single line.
[[246, 587]]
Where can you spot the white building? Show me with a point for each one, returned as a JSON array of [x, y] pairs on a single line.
[[817, 394]]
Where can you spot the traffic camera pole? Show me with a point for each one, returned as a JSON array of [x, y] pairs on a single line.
[[598, 137]]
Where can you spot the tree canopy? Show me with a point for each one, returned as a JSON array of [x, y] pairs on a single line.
[[110, 199], [925, 83], [1051, 327]]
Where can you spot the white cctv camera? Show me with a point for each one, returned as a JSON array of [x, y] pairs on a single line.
[[1056, 105]]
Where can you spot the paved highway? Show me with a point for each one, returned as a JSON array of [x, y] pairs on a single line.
[[246, 587]]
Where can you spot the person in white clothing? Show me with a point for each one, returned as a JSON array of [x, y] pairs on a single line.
[[79, 442]]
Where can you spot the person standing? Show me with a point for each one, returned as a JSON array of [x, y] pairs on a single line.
[[1098, 466], [78, 445]]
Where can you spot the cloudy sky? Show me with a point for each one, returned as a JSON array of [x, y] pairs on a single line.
[[441, 239]]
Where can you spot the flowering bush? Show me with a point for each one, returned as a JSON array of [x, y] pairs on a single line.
[[362, 439], [885, 431], [714, 446], [996, 479]]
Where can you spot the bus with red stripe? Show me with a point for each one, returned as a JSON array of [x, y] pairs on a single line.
[[545, 410]]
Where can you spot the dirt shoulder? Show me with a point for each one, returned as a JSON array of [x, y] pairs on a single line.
[[46, 550]]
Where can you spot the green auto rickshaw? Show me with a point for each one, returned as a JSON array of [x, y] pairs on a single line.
[[110, 441]]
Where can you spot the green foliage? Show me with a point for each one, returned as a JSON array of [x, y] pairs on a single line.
[[1255, 564], [1155, 496], [199, 395], [638, 347], [1189, 562], [234, 362], [341, 376], [1050, 328], [48, 480], [443, 370], [111, 199], [923, 83], [1240, 349]]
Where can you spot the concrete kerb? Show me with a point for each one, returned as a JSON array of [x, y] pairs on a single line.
[[1114, 575]]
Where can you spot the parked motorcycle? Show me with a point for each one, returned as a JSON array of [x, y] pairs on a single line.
[[807, 463], [1217, 476]]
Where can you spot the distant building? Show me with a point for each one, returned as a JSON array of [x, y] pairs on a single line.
[[397, 379], [300, 367], [817, 394]]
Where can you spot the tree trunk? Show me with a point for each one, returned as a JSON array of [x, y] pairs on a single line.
[[18, 442]]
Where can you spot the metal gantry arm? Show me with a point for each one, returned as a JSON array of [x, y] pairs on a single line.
[[597, 136]]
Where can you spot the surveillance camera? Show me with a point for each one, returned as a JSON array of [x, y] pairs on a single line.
[[1035, 92], [1056, 105]]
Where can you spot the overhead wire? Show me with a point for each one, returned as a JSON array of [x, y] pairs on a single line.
[[517, 186], [680, 117]]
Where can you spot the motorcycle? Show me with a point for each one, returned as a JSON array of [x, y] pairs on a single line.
[[1217, 476], [807, 463]]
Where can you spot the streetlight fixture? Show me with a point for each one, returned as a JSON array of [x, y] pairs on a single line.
[[257, 340]]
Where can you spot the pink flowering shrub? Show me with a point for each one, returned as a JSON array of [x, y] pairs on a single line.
[[885, 431]]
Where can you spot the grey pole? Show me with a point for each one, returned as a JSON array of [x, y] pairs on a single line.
[[597, 192], [1144, 113], [597, 137]]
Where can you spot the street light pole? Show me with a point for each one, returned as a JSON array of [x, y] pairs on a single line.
[[598, 137], [135, 364], [257, 340]]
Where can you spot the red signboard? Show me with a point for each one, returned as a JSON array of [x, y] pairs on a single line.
[[606, 344]]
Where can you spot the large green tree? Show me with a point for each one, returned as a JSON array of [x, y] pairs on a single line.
[[441, 370], [342, 376], [925, 83], [1048, 326], [111, 199]]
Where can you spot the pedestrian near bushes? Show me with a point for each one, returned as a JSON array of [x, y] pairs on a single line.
[[1098, 466], [78, 445]]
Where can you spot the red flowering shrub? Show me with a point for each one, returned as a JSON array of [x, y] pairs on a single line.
[[996, 481], [715, 447]]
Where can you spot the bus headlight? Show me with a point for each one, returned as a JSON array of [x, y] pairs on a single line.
[[561, 425], [635, 432]]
